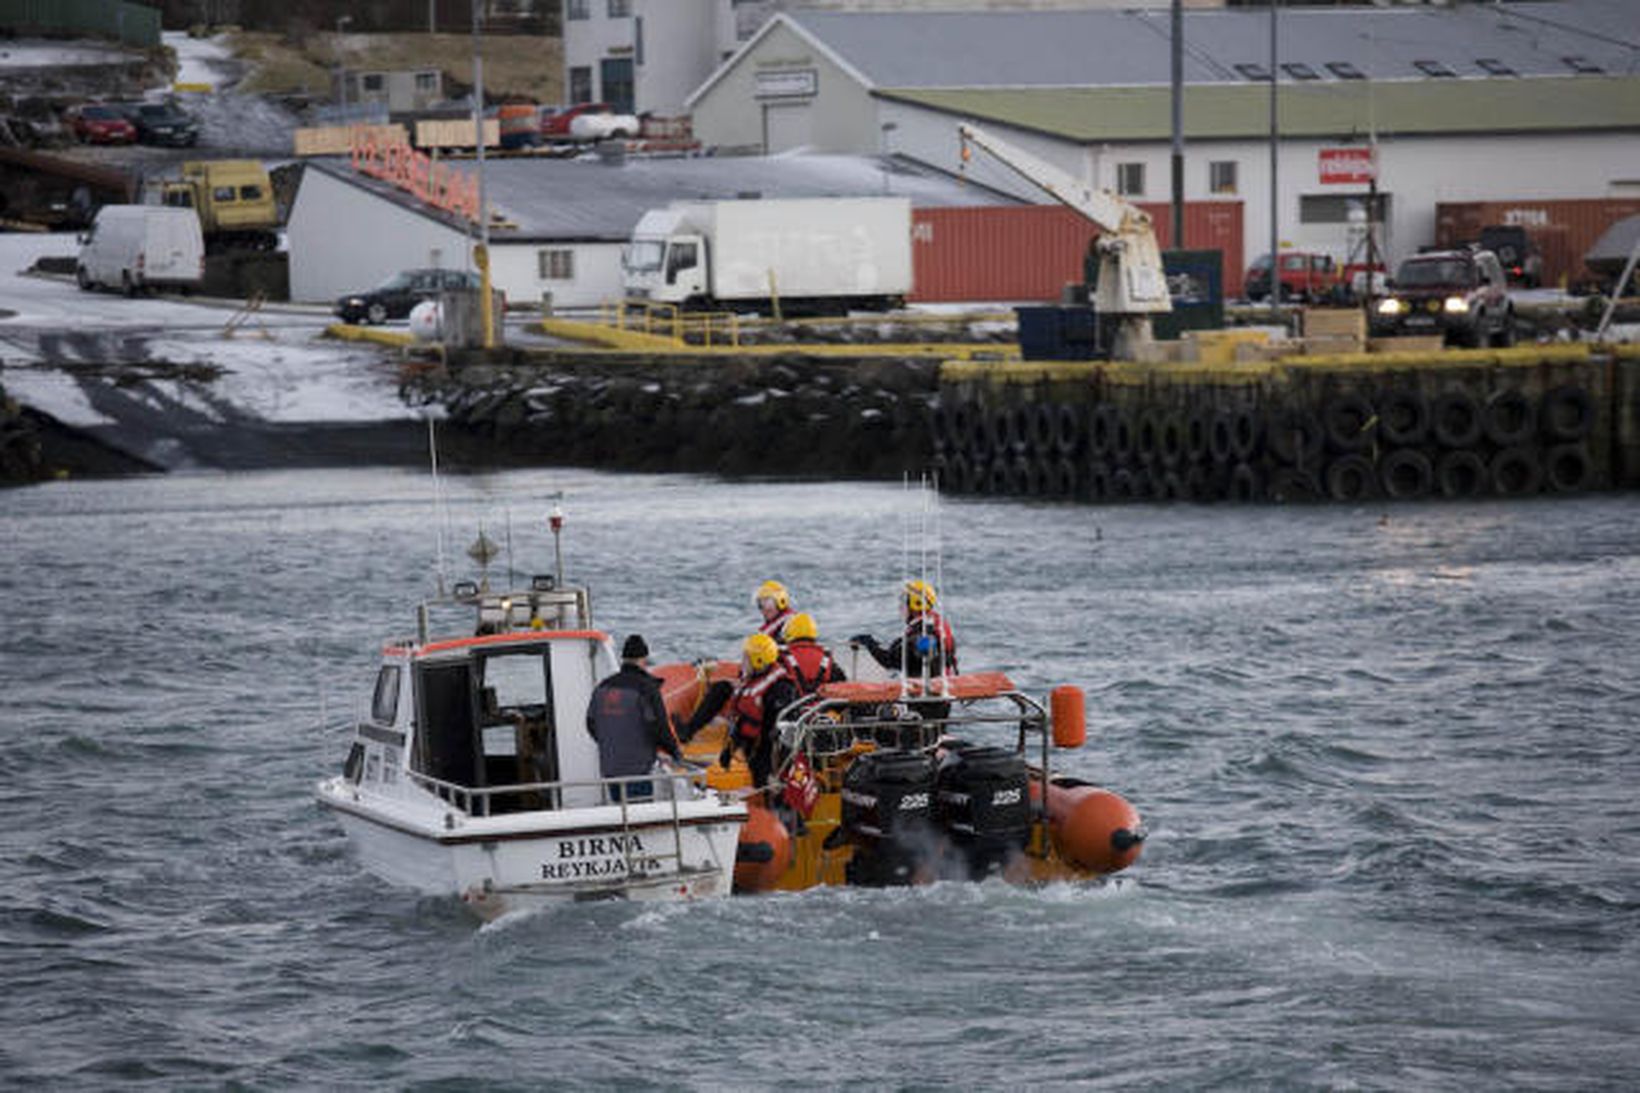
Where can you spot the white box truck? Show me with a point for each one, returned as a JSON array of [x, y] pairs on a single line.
[[812, 255], [135, 247]]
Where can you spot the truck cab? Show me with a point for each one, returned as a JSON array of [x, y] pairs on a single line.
[[233, 199], [665, 262]]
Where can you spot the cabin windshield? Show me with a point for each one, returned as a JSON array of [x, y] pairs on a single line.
[[644, 255]]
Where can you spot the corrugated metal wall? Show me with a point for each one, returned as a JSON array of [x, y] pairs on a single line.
[[1564, 230], [132, 24], [1030, 252]]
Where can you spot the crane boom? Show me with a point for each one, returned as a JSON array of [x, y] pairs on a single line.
[[1132, 284]]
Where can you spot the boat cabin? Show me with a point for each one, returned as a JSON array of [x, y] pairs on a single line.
[[491, 717]]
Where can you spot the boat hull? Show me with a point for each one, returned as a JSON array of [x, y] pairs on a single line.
[[498, 865]]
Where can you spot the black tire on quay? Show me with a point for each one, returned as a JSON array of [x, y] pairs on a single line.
[[1455, 419], [1102, 430], [1406, 474], [1170, 440], [1066, 477], [1098, 481], [1220, 442], [1067, 433], [1295, 438], [1144, 484], [1567, 468], [1147, 438], [1403, 418], [1000, 423], [1567, 414], [1039, 475], [1293, 486], [1515, 472], [1170, 487], [1199, 483], [997, 478], [1121, 446], [1022, 477], [1245, 434], [1352, 477], [1460, 474], [1245, 484], [938, 432], [961, 425], [959, 475], [1198, 429], [1349, 422], [1122, 485], [1509, 418], [1045, 427]]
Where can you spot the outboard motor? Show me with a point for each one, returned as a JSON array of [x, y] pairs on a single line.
[[983, 800], [888, 799]]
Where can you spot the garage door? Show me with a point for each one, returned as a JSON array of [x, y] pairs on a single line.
[[786, 127]]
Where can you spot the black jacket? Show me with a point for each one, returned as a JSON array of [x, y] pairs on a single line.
[[627, 717]]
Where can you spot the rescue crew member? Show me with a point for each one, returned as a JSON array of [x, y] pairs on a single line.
[[806, 661], [774, 603], [763, 691], [927, 647], [627, 716]]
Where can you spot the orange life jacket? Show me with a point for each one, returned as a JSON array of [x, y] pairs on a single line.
[[808, 664], [746, 704]]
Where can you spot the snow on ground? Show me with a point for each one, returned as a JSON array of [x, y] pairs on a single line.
[[200, 60], [291, 375]]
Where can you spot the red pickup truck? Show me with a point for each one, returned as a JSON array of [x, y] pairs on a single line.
[[1304, 276]]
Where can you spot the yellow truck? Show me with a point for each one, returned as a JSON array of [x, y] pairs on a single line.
[[234, 201]]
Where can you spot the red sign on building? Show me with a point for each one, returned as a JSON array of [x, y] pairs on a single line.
[[1344, 165]]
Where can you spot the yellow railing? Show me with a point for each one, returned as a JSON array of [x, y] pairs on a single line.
[[702, 328]]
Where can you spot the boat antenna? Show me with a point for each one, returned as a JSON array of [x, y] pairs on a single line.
[[556, 521], [905, 577], [439, 515], [512, 577]]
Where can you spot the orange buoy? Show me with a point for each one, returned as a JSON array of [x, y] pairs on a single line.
[[1094, 828], [763, 853], [1070, 719]]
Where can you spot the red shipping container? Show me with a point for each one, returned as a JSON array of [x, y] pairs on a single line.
[[1028, 253], [1563, 229]]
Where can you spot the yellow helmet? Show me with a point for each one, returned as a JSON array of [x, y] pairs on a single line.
[[798, 626], [760, 651], [772, 590], [919, 596]]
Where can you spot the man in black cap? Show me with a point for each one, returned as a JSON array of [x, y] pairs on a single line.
[[627, 717]]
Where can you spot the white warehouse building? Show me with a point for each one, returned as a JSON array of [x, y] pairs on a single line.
[[1490, 102], [558, 226]]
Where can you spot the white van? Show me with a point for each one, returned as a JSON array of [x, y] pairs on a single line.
[[133, 247]]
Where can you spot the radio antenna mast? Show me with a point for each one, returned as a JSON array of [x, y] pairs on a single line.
[[439, 515]]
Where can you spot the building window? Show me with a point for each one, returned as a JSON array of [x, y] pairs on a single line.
[[1433, 68], [1583, 65], [577, 9], [372, 81], [620, 9], [1254, 72], [580, 84], [1494, 66], [427, 81], [556, 265], [1345, 71], [1300, 71], [1130, 179], [1221, 177]]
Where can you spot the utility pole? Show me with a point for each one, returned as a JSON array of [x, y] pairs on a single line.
[[1178, 124], [1275, 205], [482, 258]]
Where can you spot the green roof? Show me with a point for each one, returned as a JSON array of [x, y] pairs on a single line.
[[1330, 110]]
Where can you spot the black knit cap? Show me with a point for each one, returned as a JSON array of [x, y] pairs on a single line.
[[635, 648]]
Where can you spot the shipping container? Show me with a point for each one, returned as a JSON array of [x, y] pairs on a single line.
[[1029, 253], [1563, 230]]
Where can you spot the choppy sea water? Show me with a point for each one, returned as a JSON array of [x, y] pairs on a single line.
[[1387, 757]]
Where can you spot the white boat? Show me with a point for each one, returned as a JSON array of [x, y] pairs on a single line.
[[473, 773]]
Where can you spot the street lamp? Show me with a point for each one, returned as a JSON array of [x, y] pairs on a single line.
[[341, 69]]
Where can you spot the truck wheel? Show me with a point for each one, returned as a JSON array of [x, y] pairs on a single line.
[[127, 285], [377, 314], [83, 279]]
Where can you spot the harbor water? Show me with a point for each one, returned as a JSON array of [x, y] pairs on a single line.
[[1386, 754]]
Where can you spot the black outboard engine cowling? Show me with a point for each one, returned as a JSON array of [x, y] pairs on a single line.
[[888, 812], [983, 800]]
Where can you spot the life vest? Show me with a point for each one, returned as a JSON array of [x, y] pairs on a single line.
[[777, 624], [746, 704], [808, 664], [934, 625]]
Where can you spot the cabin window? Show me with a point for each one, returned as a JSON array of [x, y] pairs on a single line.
[[250, 193], [1130, 179], [384, 705], [222, 193], [444, 718], [373, 767], [680, 257], [1221, 177]]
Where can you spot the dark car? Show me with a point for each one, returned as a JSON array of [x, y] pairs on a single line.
[[395, 297], [1460, 294], [162, 123], [99, 123]]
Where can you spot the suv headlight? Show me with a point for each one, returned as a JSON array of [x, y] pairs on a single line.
[[1455, 305], [1391, 306]]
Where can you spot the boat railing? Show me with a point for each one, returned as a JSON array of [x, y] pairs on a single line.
[[671, 785], [819, 727]]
